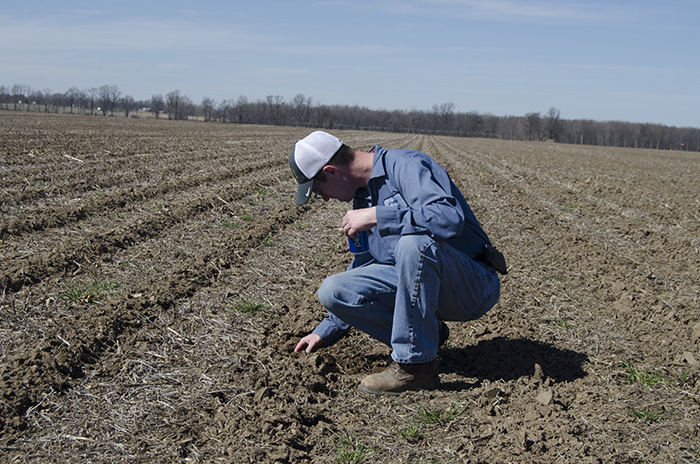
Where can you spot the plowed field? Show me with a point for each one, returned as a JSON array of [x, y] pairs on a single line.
[[156, 275]]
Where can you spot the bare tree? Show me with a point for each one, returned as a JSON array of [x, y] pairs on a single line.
[[157, 105], [186, 107], [129, 103], [71, 96], [4, 97], [553, 125], [44, 98], [103, 98], [172, 102], [17, 94], [92, 96], [207, 108], [300, 109], [444, 112], [273, 108], [56, 100], [114, 94], [178, 106], [108, 97], [470, 124], [242, 109], [36, 97], [225, 110], [82, 98], [533, 126]]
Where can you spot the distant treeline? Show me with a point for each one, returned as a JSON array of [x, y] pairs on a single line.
[[302, 111]]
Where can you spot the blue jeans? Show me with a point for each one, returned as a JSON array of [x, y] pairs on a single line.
[[400, 305]]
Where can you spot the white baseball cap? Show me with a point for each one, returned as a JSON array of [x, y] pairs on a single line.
[[308, 157]]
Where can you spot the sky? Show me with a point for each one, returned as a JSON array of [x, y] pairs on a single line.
[[622, 60]]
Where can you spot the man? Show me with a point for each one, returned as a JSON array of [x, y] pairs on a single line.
[[428, 259]]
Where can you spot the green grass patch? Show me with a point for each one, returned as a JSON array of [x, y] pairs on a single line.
[[318, 261], [247, 306], [228, 223], [645, 377], [647, 414], [437, 416], [351, 450], [568, 208], [265, 241], [411, 433], [88, 293]]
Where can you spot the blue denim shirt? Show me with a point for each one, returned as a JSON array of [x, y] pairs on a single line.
[[413, 195]]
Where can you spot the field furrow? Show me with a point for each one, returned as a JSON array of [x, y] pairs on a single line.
[[43, 216]]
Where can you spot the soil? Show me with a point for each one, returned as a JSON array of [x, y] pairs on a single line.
[[156, 276]]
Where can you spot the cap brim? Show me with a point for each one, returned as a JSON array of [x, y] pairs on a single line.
[[304, 192]]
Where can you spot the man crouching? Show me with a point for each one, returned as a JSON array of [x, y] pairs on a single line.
[[427, 259]]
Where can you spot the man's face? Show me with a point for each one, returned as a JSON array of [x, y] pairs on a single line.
[[333, 186]]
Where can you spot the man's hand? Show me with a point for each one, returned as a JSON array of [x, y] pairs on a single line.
[[357, 220], [311, 342]]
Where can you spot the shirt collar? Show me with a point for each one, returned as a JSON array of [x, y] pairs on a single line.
[[377, 162]]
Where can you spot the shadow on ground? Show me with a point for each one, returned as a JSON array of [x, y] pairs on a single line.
[[510, 359]]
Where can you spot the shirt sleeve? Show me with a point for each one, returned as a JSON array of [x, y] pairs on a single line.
[[331, 329], [427, 190]]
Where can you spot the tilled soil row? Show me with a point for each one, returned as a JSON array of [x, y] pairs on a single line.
[[68, 160], [40, 218], [64, 177], [61, 357], [67, 258]]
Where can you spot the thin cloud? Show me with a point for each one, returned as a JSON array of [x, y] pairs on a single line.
[[509, 10], [131, 34]]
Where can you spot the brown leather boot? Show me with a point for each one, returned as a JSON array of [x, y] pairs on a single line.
[[401, 377]]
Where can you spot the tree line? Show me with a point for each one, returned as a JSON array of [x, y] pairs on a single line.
[[303, 111]]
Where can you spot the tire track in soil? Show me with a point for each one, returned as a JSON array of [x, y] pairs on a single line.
[[43, 218], [55, 363]]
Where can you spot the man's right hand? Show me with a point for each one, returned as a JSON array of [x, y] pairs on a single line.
[[357, 220], [310, 343]]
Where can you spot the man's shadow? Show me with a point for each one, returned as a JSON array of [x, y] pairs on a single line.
[[506, 359]]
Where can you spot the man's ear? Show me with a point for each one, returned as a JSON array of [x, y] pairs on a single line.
[[330, 170]]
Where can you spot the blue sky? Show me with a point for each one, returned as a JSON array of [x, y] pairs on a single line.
[[624, 60]]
